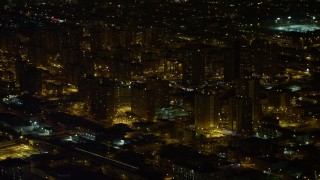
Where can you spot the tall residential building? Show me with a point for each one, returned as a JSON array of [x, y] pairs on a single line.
[[254, 94], [29, 78], [249, 88], [193, 65], [152, 36], [279, 99], [241, 114], [265, 57], [142, 102], [73, 72], [148, 97], [206, 110], [160, 91], [103, 100], [99, 94], [232, 62]]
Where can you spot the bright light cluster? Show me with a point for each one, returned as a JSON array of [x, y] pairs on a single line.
[[297, 28]]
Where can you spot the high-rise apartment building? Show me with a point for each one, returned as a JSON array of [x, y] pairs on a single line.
[[99, 94], [206, 110], [241, 114]]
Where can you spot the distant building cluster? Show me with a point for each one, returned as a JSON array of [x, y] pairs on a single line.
[[150, 89]]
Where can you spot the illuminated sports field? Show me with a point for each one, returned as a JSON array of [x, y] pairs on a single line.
[[297, 28]]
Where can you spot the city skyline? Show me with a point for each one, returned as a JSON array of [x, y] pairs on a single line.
[[152, 89]]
